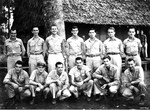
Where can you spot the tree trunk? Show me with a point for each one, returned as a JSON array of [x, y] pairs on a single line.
[[53, 12]]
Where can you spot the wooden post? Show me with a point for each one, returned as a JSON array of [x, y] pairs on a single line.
[[54, 15]]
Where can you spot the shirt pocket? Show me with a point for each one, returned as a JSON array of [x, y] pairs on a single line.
[[39, 43], [21, 79], [32, 44], [17, 45]]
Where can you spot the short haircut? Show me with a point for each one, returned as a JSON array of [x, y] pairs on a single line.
[[79, 58], [91, 29], [35, 27], [19, 62], [111, 28], [58, 63], [74, 27], [13, 29], [41, 64], [131, 27], [130, 59], [106, 57], [53, 25]]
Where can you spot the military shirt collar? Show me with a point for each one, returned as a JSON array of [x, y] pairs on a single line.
[[112, 39], [9, 40]]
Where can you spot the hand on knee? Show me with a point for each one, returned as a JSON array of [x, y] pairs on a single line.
[[37, 89]]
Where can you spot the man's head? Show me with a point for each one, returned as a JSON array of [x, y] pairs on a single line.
[[79, 62], [18, 66], [41, 67], [59, 67], [142, 32], [13, 34], [106, 60], [54, 29], [131, 64], [131, 32], [111, 32], [74, 31], [92, 33], [2, 26], [35, 31]]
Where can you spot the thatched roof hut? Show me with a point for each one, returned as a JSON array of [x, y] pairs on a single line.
[[115, 12]]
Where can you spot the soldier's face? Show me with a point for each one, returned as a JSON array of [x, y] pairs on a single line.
[[13, 34], [106, 62], [18, 68], [35, 31], [111, 33], [131, 32], [92, 33], [75, 32], [59, 68], [41, 69], [131, 65], [54, 30], [79, 64]]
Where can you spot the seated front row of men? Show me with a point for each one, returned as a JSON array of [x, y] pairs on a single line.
[[106, 80]]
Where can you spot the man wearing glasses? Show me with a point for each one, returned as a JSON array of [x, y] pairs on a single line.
[[14, 49]]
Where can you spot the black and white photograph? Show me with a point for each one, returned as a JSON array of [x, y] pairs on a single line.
[[75, 54]]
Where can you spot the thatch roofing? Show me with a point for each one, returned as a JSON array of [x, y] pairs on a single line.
[[118, 12]]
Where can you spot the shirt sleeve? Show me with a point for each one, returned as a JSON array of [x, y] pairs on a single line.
[[22, 48], [67, 80], [32, 77], [8, 76], [49, 77], [141, 75], [116, 76], [26, 78]]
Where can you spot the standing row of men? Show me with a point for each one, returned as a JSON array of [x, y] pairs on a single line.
[[58, 50]]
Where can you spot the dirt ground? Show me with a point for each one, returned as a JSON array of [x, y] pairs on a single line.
[[81, 103]]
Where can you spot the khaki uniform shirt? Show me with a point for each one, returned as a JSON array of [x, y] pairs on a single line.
[[35, 45], [75, 46], [37, 77], [132, 45], [93, 47], [14, 47], [54, 45], [63, 78], [113, 46], [137, 75], [12, 76], [79, 75], [112, 73]]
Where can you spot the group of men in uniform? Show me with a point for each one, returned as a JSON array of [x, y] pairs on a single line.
[[102, 72]]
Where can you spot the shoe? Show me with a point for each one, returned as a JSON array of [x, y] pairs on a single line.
[[54, 101], [142, 100], [12, 101], [130, 99], [88, 99], [98, 98], [32, 101]]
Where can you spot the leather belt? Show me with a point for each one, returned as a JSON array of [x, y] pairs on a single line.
[[35, 53], [113, 53], [54, 53], [132, 54], [92, 55], [13, 55], [75, 54]]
